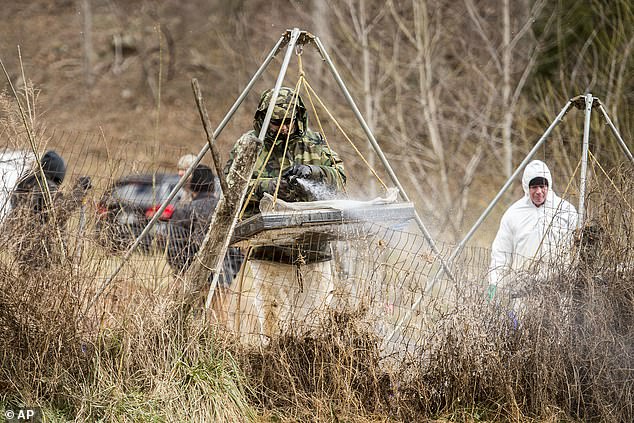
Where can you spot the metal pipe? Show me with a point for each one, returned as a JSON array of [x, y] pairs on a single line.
[[616, 133], [379, 152], [269, 112], [188, 173], [278, 83], [584, 159], [430, 286]]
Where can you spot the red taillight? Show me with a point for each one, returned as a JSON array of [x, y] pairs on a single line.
[[166, 215], [168, 212]]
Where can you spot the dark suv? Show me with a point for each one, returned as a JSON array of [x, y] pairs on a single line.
[[125, 209]]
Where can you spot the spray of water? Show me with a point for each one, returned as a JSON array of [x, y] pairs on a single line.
[[316, 190]]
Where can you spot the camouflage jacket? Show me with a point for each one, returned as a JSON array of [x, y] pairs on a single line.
[[308, 149]]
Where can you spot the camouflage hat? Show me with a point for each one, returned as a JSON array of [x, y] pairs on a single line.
[[285, 98], [283, 108]]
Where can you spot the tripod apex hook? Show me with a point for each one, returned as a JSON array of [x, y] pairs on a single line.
[[580, 101], [304, 38]]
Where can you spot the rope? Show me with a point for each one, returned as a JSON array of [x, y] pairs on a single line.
[[323, 133], [288, 136], [302, 74], [346, 136], [310, 92], [268, 156], [611, 181], [321, 128]]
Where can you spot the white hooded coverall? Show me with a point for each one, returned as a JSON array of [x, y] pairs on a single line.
[[529, 234]]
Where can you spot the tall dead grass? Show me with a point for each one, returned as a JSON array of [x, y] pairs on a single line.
[[569, 358], [127, 362]]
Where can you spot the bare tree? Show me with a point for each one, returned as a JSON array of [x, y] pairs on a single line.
[[89, 52], [443, 101]]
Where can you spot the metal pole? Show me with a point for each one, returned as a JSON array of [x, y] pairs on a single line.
[[584, 159], [616, 133], [430, 286], [278, 83], [269, 112], [379, 152], [189, 171]]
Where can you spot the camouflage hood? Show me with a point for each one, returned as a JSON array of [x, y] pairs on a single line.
[[284, 102]]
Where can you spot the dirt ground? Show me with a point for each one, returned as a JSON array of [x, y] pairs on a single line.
[[136, 85]]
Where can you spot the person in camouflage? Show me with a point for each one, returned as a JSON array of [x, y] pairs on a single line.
[[307, 155], [291, 281]]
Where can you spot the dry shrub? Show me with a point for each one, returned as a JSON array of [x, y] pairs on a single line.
[[128, 363], [154, 369], [43, 344], [321, 374], [569, 357]]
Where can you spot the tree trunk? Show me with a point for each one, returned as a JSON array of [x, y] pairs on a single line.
[[210, 257]]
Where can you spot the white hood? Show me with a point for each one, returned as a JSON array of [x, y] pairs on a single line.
[[536, 169]]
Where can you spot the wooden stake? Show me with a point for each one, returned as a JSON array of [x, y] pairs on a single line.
[[210, 257]]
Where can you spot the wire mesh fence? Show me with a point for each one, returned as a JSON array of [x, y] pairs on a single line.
[[383, 269]]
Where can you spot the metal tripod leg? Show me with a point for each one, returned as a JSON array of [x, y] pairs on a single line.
[[278, 83], [189, 171], [616, 133], [379, 152], [510, 180], [584, 158]]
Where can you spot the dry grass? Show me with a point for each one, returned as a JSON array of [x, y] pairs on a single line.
[[126, 362], [570, 359]]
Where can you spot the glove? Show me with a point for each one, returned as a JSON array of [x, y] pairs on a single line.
[[84, 183], [300, 171], [514, 319], [284, 192], [491, 290]]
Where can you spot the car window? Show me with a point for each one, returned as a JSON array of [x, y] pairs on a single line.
[[144, 194], [137, 194]]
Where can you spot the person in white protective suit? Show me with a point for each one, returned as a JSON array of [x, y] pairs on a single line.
[[534, 232]]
